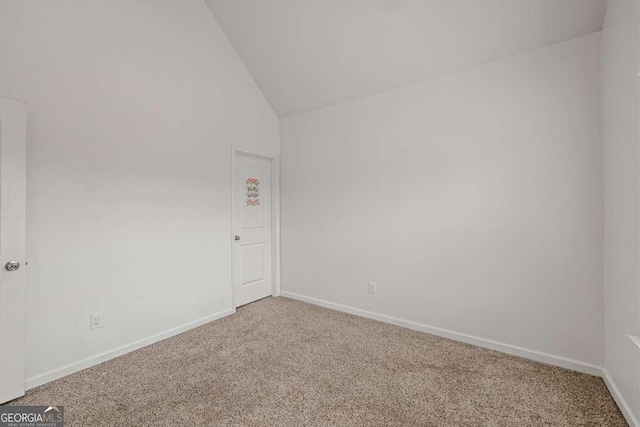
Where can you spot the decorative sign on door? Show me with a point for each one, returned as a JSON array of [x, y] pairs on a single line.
[[253, 192]]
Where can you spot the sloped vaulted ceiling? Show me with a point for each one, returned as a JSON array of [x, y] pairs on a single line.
[[306, 54]]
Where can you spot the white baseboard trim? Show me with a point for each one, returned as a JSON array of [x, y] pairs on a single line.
[[80, 365], [617, 396], [526, 353]]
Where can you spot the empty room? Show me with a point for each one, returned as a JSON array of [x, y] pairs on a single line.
[[319, 213]]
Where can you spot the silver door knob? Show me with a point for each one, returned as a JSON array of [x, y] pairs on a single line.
[[12, 265], [237, 237]]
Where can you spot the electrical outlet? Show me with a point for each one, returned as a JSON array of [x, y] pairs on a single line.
[[372, 288], [97, 320]]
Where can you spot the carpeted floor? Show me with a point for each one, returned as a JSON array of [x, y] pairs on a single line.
[[279, 362]]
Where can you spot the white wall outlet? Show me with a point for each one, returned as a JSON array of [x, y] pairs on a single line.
[[372, 288], [97, 320]]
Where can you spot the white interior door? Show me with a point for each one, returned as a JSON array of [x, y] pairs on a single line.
[[12, 248], [253, 251]]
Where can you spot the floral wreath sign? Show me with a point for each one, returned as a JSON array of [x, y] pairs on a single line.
[[253, 192]]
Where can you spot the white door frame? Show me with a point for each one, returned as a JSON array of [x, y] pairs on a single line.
[[275, 218]]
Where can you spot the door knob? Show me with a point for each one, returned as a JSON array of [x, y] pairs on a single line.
[[237, 237], [12, 265]]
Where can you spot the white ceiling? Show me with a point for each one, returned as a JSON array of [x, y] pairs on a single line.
[[306, 54]]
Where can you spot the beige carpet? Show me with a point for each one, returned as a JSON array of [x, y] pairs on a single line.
[[279, 362]]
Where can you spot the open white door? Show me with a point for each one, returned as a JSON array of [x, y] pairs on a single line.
[[12, 248]]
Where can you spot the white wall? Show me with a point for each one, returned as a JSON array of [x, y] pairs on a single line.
[[133, 107], [474, 200], [621, 130]]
